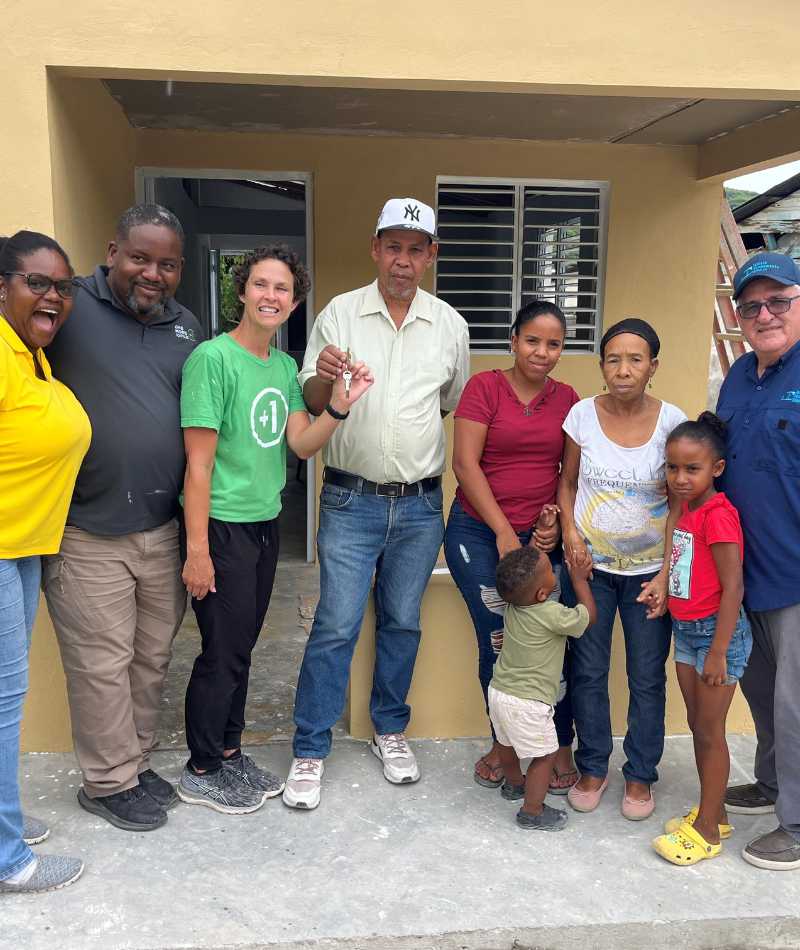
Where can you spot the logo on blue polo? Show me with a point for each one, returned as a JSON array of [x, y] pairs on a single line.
[[793, 395]]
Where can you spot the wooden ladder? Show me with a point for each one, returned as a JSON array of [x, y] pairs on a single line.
[[728, 337]]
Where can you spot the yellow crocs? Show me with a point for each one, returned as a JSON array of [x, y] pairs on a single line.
[[725, 831], [685, 846]]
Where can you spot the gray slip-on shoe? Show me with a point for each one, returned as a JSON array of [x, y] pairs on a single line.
[[34, 830], [52, 873], [775, 851]]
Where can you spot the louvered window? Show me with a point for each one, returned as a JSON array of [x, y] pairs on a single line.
[[504, 243]]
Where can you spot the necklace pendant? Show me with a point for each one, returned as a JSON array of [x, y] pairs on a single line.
[[526, 411]]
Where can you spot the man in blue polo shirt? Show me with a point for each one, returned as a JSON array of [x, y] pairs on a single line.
[[760, 401]]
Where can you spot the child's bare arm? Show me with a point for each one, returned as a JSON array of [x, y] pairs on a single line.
[[654, 592], [547, 530], [579, 572], [729, 568]]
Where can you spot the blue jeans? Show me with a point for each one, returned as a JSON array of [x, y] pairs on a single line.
[[471, 553], [397, 539], [693, 640], [647, 645], [19, 598]]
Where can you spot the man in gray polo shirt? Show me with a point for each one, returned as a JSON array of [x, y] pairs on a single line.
[[114, 590]]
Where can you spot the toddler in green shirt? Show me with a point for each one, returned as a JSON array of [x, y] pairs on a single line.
[[527, 674]]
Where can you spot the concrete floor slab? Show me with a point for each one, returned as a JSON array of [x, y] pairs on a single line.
[[437, 864]]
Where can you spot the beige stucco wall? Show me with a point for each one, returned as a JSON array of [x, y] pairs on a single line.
[[716, 45], [658, 268], [91, 168]]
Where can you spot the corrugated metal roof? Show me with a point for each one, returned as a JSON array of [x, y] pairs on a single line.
[[782, 190]]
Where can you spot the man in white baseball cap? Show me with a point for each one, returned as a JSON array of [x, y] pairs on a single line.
[[407, 214], [381, 502]]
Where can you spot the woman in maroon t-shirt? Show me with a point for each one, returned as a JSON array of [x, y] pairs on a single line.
[[506, 457]]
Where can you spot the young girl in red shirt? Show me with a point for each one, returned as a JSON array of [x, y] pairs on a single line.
[[712, 634]]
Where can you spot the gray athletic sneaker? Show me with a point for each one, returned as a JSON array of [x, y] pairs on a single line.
[[254, 777], [221, 790], [34, 831], [52, 872]]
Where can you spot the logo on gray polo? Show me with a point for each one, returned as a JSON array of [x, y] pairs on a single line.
[[183, 334], [411, 212], [269, 414]]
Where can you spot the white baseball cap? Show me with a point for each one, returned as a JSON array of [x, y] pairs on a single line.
[[408, 214]]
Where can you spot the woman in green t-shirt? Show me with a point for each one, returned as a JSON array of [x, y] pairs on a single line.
[[240, 406]]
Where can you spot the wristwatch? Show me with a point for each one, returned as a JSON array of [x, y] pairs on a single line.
[[336, 415]]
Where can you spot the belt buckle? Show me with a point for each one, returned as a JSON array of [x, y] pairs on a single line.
[[391, 489]]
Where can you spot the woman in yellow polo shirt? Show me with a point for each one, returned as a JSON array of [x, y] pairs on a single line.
[[44, 435]]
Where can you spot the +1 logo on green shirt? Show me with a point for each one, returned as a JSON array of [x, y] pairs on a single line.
[[247, 401]]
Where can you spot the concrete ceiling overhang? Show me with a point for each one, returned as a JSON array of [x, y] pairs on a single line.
[[221, 107]]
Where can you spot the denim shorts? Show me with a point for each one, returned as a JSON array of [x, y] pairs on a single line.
[[693, 641]]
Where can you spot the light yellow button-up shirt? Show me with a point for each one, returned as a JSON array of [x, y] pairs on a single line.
[[394, 432]]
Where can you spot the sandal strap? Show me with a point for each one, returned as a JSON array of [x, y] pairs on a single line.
[[692, 834]]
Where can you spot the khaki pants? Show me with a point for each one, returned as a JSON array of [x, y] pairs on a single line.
[[116, 604]]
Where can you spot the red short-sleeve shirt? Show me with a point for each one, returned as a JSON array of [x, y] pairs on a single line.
[[522, 454], [694, 588]]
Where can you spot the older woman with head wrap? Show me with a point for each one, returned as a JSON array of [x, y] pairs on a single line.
[[614, 512]]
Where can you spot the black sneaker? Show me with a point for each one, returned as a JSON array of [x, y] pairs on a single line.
[[551, 819], [131, 810], [748, 800], [158, 788], [251, 775]]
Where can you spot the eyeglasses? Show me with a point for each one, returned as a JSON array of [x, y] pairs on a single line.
[[775, 305], [40, 284]]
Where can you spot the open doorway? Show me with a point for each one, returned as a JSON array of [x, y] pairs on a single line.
[[226, 214]]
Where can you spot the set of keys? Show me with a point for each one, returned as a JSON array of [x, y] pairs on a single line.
[[347, 374]]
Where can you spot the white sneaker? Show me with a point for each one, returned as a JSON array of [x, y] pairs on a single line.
[[399, 764], [303, 783]]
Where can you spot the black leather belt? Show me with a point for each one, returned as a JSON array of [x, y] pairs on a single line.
[[334, 476]]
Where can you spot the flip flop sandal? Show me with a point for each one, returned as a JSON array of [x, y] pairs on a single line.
[[557, 787], [685, 846], [725, 831], [497, 770]]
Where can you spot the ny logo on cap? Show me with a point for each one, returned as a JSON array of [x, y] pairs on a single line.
[[412, 212]]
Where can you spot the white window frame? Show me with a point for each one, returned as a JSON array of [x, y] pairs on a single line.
[[520, 184]]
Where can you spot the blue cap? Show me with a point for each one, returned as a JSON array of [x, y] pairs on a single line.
[[777, 267]]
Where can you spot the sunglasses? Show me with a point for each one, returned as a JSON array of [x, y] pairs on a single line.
[[40, 284]]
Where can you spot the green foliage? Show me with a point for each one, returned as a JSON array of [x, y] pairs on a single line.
[[737, 196], [228, 298]]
